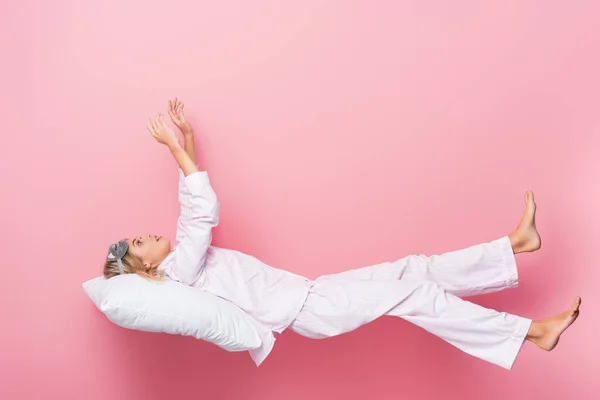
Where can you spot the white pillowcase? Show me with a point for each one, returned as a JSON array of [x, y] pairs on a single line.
[[168, 306]]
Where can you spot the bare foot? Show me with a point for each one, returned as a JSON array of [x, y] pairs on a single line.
[[526, 237], [546, 333]]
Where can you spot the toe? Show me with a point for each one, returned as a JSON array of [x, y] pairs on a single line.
[[529, 197], [575, 306]]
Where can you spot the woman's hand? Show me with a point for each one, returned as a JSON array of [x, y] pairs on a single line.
[[176, 113], [162, 133]]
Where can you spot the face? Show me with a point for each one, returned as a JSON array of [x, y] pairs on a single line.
[[151, 249]]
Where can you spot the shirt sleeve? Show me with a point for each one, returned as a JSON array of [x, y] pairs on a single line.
[[199, 214]]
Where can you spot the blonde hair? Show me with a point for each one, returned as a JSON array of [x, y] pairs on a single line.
[[133, 265]]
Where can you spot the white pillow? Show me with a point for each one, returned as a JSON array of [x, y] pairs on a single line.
[[133, 302]]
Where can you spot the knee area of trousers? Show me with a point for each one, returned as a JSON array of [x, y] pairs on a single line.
[[417, 260], [429, 291], [433, 298]]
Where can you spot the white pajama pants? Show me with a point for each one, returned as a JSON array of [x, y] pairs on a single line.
[[425, 291]]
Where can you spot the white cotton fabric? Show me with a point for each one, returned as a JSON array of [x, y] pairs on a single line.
[[271, 297], [424, 290]]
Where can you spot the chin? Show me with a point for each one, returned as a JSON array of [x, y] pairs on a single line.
[[166, 243]]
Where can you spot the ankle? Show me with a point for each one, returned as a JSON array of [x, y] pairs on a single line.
[[515, 242], [536, 331]]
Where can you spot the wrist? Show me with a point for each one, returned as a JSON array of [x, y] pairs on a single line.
[[186, 130], [174, 146]]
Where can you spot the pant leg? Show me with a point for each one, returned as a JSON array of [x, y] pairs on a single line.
[[480, 269], [335, 306]]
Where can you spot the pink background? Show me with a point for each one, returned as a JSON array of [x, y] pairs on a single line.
[[337, 134]]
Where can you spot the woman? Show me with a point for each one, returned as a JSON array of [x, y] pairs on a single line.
[[423, 290]]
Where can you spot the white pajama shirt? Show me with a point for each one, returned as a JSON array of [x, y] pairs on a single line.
[[423, 290]]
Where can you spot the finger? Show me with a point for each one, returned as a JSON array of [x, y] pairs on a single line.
[[172, 112], [155, 123], [149, 126], [161, 121], [170, 108]]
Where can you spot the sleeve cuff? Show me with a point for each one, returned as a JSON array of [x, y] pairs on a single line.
[[197, 181]]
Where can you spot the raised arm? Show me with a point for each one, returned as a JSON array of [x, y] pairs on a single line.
[[199, 208], [165, 135], [175, 108]]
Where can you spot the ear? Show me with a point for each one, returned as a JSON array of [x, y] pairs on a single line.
[[147, 264]]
